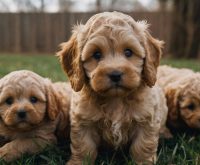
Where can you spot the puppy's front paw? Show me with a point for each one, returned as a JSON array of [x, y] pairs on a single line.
[[7, 155], [165, 133], [74, 162]]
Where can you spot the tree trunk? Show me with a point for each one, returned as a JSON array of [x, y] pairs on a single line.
[[98, 6], [194, 42], [185, 37], [42, 6]]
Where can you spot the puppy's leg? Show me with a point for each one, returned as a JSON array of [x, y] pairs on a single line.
[[165, 133], [144, 146], [84, 143], [14, 149]]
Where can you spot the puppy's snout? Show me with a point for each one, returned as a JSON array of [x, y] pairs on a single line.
[[115, 76], [21, 114]]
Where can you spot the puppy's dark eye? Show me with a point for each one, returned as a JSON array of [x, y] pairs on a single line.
[[33, 99], [191, 106], [9, 101], [97, 55], [128, 52]]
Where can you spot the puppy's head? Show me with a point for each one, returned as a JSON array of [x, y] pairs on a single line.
[[111, 53], [184, 102], [26, 100]]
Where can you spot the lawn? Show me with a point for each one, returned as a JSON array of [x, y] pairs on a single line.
[[181, 150]]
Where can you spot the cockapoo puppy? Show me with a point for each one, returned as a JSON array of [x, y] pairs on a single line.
[[182, 91], [111, 62], [32, 111]]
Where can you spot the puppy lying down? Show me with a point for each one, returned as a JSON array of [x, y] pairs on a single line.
[[182, 91], [111, 62], [32, 111]]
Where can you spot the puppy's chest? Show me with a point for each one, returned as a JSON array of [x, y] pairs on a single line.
[[117, 124]]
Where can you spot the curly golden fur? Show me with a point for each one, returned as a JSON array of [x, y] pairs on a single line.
[[182, 90], [111, 62], [32, 111]]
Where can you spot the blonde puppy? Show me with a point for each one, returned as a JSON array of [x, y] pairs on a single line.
[[111, 62], [32, 111], [182, 90]]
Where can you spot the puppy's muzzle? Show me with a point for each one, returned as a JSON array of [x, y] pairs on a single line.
[[115, 76], [21, 114]]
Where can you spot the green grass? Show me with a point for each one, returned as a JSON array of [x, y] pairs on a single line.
[[183, 63], [181, 150], [45, 65]]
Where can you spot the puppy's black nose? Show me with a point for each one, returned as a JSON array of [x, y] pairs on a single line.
[[21, 114], [115, 76]]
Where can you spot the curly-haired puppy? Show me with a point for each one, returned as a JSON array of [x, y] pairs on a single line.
[[182, 91], [111, 62], [32, 110]]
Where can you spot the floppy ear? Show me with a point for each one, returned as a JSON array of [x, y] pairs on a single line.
[[172, 96], [71, 62], [153, 54], [52, 103]]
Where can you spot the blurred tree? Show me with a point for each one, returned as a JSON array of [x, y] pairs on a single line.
[[65, 5], [98, 6], [4, 6], [185, 35], [26, 5], [127, 5], [23, 5], [30, 5], [163, 4], [119, 5], [42, 6]]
